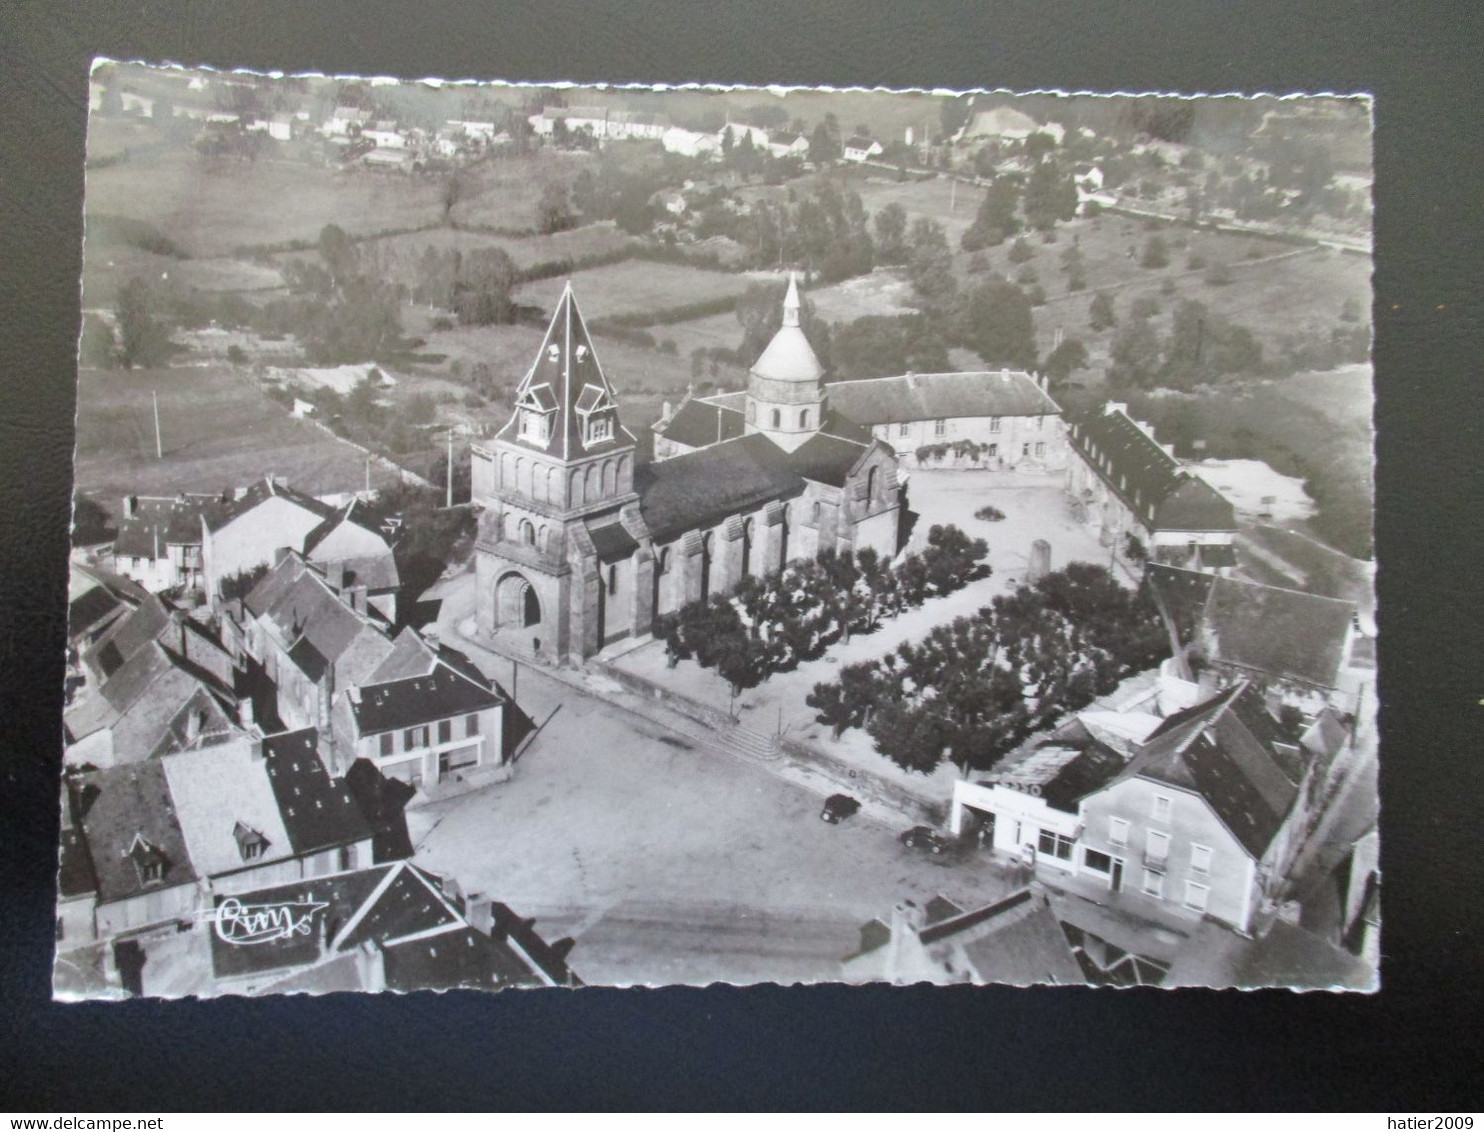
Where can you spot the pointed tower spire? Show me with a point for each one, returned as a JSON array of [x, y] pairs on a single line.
[[791, 301]]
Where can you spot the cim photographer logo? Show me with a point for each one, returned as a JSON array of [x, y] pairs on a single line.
[[245, 924]]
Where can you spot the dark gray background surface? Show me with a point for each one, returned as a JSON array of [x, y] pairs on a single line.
[[1415, 1046]]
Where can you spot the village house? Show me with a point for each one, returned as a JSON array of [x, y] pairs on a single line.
[[1015, 941], [392, 927], [578, 547], [345, 122], [1003, 123], [435, 725], [859, 148], [163, 836], [786, 143], [245, 535], [159, 540], [1122, 481], [1305, 650], [384, 134], [309, 639], [691, 143], [154, 682], [96, 599], [601, 122]]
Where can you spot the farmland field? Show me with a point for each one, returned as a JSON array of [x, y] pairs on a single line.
[[635, 287], [504, 191], [218, 429], [108, 268], [210, 208]]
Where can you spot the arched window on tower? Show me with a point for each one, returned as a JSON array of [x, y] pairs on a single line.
[[777, 419], [804, 419], [871, 484], [528, 532]]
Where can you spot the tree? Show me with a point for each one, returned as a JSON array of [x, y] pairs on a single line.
[[883, 345], [90, 522], [891, 234], [1050, 195], [1135, 355], [482, 286], [1070, 355], [1101, 312], [824, 148], [998, 324], [143, 338], [1020, 251], [554, 209], [1039, 144], [995, 222], [930, 263], [953, 114], [338, 253]]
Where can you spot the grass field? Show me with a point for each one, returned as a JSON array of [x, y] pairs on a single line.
[[503, 192], [1343, 395], [209, 208], [635, 287], [219, 431], [1275, 289], [108, 268]]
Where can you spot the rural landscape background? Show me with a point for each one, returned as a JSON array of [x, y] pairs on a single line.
[[1215, 274]]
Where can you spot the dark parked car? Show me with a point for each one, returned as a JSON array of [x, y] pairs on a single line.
[[838, 807], [921, 837]]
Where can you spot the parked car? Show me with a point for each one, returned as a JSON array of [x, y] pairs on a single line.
[[921, 837], [838, 807]]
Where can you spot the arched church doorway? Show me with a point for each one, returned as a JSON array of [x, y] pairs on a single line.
[[516, 603]]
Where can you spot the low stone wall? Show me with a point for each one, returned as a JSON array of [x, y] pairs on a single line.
[[683, 705], [852, 780]]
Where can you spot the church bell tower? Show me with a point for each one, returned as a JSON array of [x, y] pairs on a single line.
[[785, 388]]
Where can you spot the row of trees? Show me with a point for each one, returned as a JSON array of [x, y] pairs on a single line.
[[1201, 347], [972, 690], [773, 624]]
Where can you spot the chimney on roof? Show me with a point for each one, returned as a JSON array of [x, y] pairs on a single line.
[[371, 966], [353, 691], [255, 750], [479, 910], [665, 412], [131, 506], [335, 575], [246, 713], [1115, 407], [904, 944], [358, 598]]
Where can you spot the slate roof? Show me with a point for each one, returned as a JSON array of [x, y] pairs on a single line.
[[127, 636], [213, 790], [118, 804], [317, 811], [612, 541], [1144, 476], [377, 571], [308, 615], [565, 364], [74, 865], [935, 396], [700, 488], [827, 459], [160, 522], [220, 514], [1211, 749], [94, 594], [1285, 634], [414, 700], [410, 656], [398, 909], [699, 423]]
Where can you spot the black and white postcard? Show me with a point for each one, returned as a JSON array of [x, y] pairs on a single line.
[[557, 536]]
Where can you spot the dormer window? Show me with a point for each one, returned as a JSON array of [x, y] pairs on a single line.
[[251, 844], [149, 861], [534, 426], [599, 429]]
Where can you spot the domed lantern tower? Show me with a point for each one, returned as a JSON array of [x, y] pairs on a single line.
[[785, 389]]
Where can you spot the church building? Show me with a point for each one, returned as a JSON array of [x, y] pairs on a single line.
[[580, 544]]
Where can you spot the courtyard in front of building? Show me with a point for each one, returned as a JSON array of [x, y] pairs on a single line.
[[1035, 507]]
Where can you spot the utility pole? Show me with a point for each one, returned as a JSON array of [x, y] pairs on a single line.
[[368, 475], [450, 467], [159, 449]]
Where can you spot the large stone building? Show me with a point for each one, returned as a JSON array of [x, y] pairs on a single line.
[[580, 546]]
